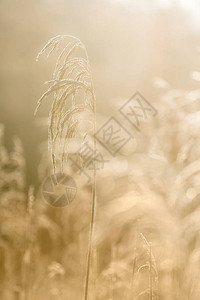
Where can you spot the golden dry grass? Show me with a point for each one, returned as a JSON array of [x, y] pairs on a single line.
[[132, 232], [146, 239]]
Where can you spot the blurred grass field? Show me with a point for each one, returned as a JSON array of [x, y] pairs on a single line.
[[146, 235]]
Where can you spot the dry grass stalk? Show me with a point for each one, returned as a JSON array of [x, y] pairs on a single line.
[[71, 84], [153, 275], [28, 255]]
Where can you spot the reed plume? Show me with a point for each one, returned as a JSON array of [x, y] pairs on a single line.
[[74, 94]]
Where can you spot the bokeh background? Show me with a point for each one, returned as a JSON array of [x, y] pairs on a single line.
[[129, 44], [146, 239]]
